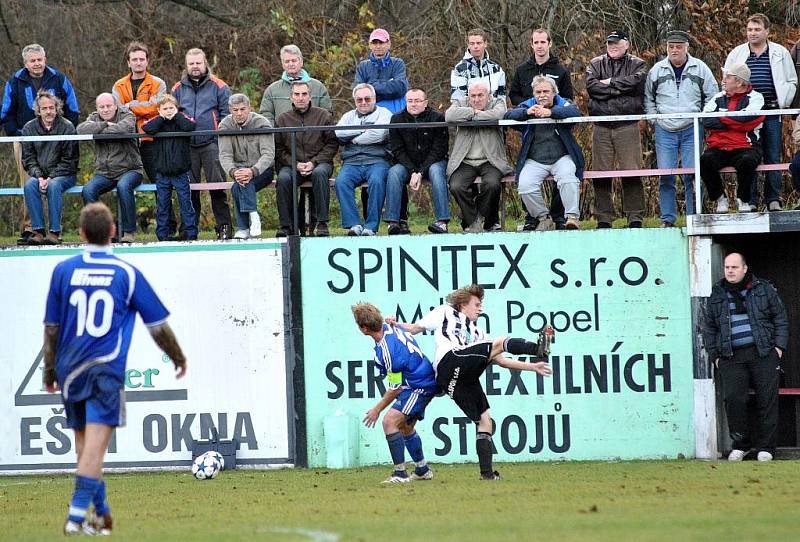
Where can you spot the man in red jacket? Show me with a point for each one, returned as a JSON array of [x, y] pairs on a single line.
[[732, 141]]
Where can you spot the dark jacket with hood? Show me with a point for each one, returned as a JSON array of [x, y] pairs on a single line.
[[521, 84]]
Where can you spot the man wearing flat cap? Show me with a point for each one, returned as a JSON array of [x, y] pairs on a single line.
[[680, 83], [615, 83], [732, 141]]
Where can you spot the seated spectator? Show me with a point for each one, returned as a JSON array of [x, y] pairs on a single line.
[[172, 162], [117, 162], [418, 153], [386, 74], [477, 152], [732, 141], [52, 166], [314, 153], [794, 167], [548, 150], [248, 160], [365, 158], [277, 97], [477, 66]]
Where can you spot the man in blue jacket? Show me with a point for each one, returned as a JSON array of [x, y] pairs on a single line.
[[548, 150], [18, 102], [385, 73]]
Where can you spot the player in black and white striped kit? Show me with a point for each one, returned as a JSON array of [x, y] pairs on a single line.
[[462, 355]]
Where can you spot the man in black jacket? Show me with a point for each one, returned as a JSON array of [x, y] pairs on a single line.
[[745, 334], [419, 153], [542, 62]]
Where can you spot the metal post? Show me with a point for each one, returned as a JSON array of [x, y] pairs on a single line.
[[295, 218]]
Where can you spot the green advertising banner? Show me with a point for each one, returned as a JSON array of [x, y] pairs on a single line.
[[622, 360]]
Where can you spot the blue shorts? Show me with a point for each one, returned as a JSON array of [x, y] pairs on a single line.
[[105, 405], [412, 403]]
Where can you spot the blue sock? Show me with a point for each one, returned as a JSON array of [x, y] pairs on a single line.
[[85, 488], [101, 507], [397, 448], [414, 447]]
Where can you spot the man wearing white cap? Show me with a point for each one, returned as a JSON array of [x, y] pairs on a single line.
[[732, 141], [386, 74]]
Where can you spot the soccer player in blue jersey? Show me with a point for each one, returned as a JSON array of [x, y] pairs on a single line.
[[91, 310], [411, 386]]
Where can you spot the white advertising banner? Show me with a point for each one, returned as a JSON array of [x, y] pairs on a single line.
[[227, 310]]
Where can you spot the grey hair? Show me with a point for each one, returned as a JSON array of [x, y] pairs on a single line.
[[45, 94], [291, 49], [539, 79], [478, 83], [361, 86], [32, 48], [238, 98]]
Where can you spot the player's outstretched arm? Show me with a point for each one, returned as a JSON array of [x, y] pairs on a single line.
[[541, 367], [49, 355], [388, 398], [165, 338]]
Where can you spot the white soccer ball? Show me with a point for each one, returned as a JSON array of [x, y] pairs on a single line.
[[206, 466], [219, 458]]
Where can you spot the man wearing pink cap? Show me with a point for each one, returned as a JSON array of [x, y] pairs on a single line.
[[385, 73]]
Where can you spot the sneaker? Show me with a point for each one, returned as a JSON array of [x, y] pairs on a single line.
[[736, 455], [546, 224], [404, 229], [722, 204], [572, 223], [743, 207], [128, 238], [103, 526], [394, 229], [72, 528], [356, 231], [764, 456], [495, 227], [774, 206], [366, 232], [255, 224], [51, 239], [438, 227], [604, 225], [529, 226], [398, 477], [36, 238], [25, 238], [242, 234], [426, 475], [224, 232], [322, 230], [635, 224], [283, 232], [493, 476]]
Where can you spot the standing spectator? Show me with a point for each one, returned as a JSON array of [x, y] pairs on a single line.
[[615, 83], [680, 83], [248, 159], [314, 153], [542, 62], [277, 97], [386, 74], [477, 151], [51, 165], [418, 153], [794, 167], [773, 75], [173, 162], [795, 54], [732, 141], [117, 161], [18, 106], [477, 66], [548, 150], [204, 97], [365, 158], [746, 333]]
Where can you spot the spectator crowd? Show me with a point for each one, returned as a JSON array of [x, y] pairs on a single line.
[[759, 75]]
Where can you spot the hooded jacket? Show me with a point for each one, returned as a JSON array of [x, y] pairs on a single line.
[[172, 154], [256, 151], [277, 97], [19, 93], [624, 95], [730, 133], [113, 157], [418, 149], [491, 137], [523, 77], [662, 94], [206, 103], [470, 70], [50, 158]]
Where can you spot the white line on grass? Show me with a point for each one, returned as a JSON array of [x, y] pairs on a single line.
[[313, 536]]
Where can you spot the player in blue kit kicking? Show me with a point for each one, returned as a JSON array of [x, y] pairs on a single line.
[[91, 310], [411, 386]]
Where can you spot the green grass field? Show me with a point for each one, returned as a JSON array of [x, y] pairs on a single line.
[[593, 501]]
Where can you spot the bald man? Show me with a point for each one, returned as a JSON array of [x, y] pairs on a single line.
[[117, 161]]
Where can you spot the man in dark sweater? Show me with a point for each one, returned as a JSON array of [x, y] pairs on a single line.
[[745, 334]]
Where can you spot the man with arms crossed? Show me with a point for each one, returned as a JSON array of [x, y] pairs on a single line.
[[462, 355], [91, 309]]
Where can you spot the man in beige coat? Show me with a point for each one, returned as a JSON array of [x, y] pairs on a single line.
[[477, 152]]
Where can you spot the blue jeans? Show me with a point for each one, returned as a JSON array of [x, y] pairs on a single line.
[[398, 177], [125, 185], [668, 146], [244, 197], [55, 189], [350, 177], [771, 144], [164, 186]]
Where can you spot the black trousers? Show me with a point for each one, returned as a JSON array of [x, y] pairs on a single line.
[[470, 200], [745, 370], [744, 161]]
